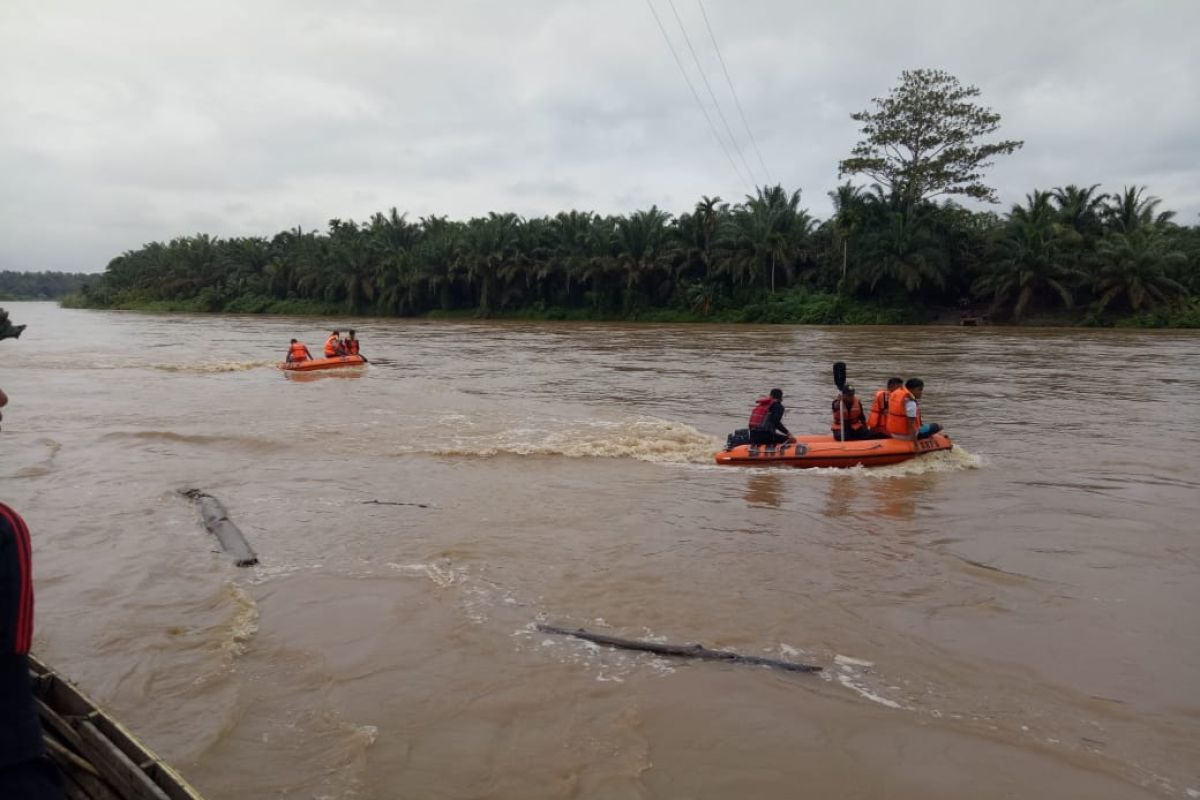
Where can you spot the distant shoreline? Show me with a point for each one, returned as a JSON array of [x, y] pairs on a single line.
[[850, 313]]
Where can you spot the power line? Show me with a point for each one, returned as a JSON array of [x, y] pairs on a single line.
[[737, 102], [696, 95], [707, 85]]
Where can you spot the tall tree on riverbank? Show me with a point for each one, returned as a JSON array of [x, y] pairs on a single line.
[[922, 140]]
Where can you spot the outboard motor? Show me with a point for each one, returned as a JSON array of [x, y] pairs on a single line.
[[738, 437]]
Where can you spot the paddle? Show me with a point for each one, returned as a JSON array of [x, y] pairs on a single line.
[[839, 380]]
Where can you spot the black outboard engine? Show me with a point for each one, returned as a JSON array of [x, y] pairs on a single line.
[[740, 436]]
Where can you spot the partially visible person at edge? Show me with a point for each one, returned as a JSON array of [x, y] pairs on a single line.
[[877, 419], [3, 401], [350, 343], [766, 420], [904, 413], [333, 345], [848, 415], [25, 770], [297, 351]]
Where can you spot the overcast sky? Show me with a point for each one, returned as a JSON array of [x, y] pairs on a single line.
[[128, 122]]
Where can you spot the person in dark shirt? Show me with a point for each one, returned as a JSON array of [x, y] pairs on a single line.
[[766, 420], [25, 771]]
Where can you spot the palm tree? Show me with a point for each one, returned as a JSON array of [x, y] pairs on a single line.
[[1131, 211], [849, 210], [487, 253], [772, 232], [1082, 209], [572, 244], [641, 249], [1031, 261], [1133, 267], [902, 250]]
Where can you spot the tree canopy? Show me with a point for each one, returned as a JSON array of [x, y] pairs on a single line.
[[922, 140], [890, 252]]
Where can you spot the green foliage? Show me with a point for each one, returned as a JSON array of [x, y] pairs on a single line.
[[804, 307], [1132, 270], [40, 285], [889, 254], [1181, 317], [921, 140], [1030, 264]]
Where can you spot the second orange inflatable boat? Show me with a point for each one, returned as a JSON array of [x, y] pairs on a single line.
[[324, 363], [825, 451]]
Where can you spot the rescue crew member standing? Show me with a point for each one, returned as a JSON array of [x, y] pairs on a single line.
[[333, 345], [766, 420], [298, 352], [350, 344], [877, 419], [904, 413], [848, 415]]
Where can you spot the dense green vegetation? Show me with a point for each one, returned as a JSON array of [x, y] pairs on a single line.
[[1071, 253], [899, 251], [40, 285]]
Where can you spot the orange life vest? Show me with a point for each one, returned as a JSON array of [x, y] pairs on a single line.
[[877, 420], [758, 416], [298, 352], [332, 345], [897, 421], [351, 346], [854, 416]]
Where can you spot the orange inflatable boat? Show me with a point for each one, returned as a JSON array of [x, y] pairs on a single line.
[[324, 363], [825, 451]]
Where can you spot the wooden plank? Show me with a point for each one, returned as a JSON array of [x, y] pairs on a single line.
[[59, 726], [123, 773]]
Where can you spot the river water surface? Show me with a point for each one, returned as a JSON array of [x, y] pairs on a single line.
[[1011, 619]]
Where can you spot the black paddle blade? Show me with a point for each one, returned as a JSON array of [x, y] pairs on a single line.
[[839, 374]]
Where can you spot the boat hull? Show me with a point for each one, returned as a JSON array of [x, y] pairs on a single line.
[[825, 451], [98, 757], [323, 363]]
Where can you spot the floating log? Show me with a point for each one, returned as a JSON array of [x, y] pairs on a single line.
[[216, 519], [679, 650], [392, 503]]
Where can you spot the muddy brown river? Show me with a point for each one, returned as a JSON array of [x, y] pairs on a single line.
[[1013, 619]]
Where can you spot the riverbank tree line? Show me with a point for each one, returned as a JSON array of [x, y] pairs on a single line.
[[40, 285], [900, 248]]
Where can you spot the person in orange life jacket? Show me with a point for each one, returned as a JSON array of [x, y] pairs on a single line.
[[904, 413], [350, 344], [298, 352], [766, 420], [333, 345], [877, 419], [848, 414]]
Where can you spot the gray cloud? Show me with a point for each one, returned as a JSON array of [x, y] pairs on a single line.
[[126, 122]]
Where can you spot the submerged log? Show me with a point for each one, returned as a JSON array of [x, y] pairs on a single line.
[[392, 503], [216, 519], [679, 650]]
